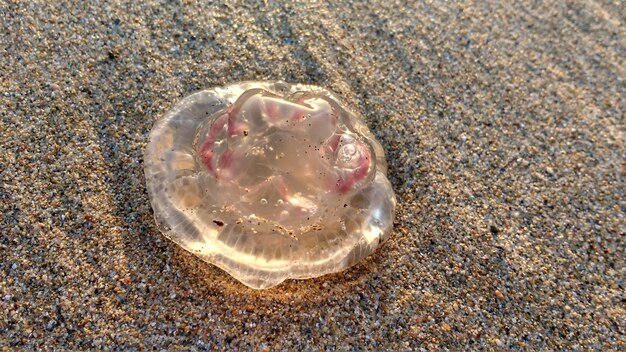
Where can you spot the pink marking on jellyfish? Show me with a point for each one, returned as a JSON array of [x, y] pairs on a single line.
[[207, 157], [206, 150], [333, 142], [227, 159], [236, 128], [347, 180], [228, 162]]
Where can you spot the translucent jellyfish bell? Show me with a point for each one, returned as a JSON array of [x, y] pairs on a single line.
[[269, 181]]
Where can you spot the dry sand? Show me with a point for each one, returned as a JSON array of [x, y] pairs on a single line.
[[505, 133]]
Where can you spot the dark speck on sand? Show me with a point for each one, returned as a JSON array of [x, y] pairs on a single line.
[[504, 129]]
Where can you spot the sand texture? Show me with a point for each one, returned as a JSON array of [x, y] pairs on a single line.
[[504, 129]]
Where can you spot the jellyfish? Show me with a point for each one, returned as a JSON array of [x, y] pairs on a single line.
[[269, 181]]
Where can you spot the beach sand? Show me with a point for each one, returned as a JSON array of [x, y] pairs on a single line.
[[505, 136]]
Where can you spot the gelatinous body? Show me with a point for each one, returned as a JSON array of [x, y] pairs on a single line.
[[269, 181]]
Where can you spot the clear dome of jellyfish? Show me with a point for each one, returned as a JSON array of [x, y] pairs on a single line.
[[269, 181]]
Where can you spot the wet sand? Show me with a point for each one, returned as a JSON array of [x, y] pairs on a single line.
[[505, 136]]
